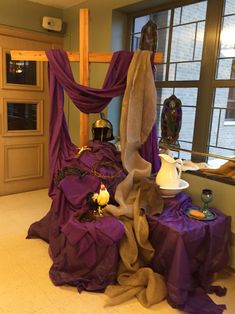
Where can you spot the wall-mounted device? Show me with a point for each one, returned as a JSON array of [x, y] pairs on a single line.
[[52, 23]]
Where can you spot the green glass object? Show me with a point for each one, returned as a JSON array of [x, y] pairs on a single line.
[[206, 197]]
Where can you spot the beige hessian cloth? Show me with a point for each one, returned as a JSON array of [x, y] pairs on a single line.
[[137, 191], [226, 170]]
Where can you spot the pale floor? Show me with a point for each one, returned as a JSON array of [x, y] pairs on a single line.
[[25, 287]]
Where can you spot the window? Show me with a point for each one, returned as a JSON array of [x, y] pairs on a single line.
[[22, 117], [198, 45], [226, 57], [20, 72], [230, 110]]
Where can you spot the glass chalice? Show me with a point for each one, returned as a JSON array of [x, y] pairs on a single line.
[[206, 197]]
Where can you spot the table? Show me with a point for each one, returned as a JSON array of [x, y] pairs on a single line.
[[187, 251]]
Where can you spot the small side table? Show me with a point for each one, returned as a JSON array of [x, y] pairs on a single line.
[[187, 251]]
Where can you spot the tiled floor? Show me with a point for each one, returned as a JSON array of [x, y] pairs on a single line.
[[25, 287]]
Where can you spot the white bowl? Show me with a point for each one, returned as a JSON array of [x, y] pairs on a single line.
[[172, 192]]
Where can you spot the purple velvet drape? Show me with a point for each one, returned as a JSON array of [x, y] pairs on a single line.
[[87, 100]]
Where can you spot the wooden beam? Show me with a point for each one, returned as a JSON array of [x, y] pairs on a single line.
[[84, 71], [84, 57], [102, 57]]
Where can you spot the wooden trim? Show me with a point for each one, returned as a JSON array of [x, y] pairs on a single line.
[[39, 147], [31, 35], [176, 84], [224, 83], [102, 57]]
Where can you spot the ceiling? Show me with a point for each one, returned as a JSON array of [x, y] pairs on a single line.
[[61, 4]]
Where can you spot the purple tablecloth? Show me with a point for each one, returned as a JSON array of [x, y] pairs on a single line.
[[84, 254], [188, 251]]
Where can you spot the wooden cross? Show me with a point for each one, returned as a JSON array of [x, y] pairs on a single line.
[[85, 57]]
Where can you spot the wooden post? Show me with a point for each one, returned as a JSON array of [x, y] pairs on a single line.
[[84, 71]]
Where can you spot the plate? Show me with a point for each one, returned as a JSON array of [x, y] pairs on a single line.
[[172, 192], [210, 216]]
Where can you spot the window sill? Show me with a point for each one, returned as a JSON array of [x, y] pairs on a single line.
[[229, 123], [213, 177]]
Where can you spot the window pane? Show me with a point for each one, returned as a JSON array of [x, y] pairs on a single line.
[[226, 55], [162, 42], [182, 61], [221, 96], [227, 39], [216, 117], [186, 146], [161, 19], [186, 71], [140, 22], [136, 42], [186, 43], [187, 128], [217, 162], [199, 41], [177, 16], [225, 69], [182, 46], [222, 135], [229, 7], [21, 116], [190, 13], [160, 72], [163, 93], [20, 72], [194, 12], [172, 72], [188, 97]]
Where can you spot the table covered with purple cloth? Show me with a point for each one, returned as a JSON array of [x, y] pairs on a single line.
[[188, 252], [84, 254]]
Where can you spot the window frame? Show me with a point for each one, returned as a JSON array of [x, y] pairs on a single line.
[[207, 82]]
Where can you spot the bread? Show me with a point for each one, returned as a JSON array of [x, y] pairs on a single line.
[[196, 213]]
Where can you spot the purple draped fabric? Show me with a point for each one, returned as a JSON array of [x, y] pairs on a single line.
[[88, 100], [188, 252], [83, 254], [86, 255]]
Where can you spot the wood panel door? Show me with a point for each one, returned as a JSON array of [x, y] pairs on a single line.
[[24, 114]]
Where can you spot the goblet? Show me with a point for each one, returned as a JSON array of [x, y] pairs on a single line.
[[206, 197]]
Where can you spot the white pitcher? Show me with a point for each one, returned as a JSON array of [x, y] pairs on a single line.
[[170, 172]]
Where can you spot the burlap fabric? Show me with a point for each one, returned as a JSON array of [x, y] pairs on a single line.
[[137, 191], [226, 170]]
